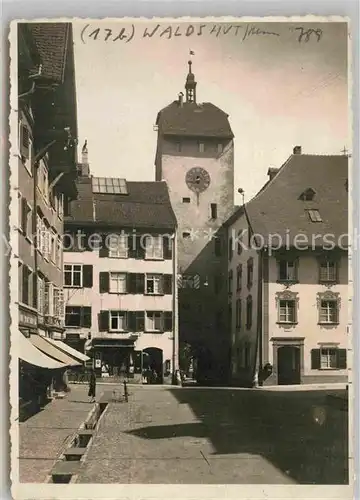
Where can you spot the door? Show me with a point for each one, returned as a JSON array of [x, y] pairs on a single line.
[[288, 365], [153, 360]]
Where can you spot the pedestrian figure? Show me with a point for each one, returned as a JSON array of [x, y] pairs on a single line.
[[92, 385]]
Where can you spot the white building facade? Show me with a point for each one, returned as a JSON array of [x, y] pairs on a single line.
[[288, 302], [119, 287]]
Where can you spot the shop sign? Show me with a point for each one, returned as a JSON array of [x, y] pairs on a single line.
[[27, 318]]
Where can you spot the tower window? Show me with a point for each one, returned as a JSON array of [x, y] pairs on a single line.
[[186, 235], [201, 147], [178, 147], [213, 210], [186, 200], [220, 147]]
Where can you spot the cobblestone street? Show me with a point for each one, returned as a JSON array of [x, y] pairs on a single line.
[[43, 435], [199, 435]]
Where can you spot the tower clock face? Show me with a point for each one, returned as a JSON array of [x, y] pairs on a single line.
[[197, 179]]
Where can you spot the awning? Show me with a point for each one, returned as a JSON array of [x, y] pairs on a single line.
[[31, 355], [50, 350], [70, 350]]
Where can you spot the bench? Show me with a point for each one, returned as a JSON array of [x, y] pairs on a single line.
[[63, 471]]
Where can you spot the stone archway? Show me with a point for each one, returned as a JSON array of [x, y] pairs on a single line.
[[153, 360]]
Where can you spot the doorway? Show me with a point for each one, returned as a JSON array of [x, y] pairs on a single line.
[[288, 358], [153, 360]]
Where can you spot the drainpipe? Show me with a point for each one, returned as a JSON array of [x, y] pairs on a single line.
[[259, 339], [258, 344], [175, 346]]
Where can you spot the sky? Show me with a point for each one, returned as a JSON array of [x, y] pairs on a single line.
[[282, 88]]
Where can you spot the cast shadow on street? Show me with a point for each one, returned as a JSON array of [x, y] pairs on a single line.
[[300, 433]]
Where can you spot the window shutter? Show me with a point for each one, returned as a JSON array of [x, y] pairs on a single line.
[[103, 251], [167, 248], [131, 283], [140, 320], [341, 359], [167, 284], [86, 317], [24, 141], [131, 321], [315, 359], [168, 321], [104, 282], [24, 211], [87, 276], [132, 243], [140, 283], [103, 321], [140, 248]]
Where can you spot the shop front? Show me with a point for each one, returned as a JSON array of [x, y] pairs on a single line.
[[113, 357]]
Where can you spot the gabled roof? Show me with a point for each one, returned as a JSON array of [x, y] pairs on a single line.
[[147, 205], [51, 41], [277, 209], [191, 119]]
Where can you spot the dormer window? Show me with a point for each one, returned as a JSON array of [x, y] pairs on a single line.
[[307, 195], [314, 216]]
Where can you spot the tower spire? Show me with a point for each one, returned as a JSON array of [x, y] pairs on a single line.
[[190, 84]]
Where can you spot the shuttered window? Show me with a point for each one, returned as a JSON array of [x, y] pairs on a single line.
[[154, 321], [118, 321], [154, 284], [118, 283], [78, 316], [328, 271], [328, 358], [78, 275], [154, 247]]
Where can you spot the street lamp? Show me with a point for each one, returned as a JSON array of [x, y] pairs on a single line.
[[242, 193]]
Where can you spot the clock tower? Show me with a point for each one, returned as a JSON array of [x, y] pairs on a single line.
[[195, 156]]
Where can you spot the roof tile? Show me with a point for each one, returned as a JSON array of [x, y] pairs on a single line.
[[51, 41], [277, 209], [147, 204], [190, 119]]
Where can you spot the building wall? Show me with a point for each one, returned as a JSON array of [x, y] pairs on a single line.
[[98, 301], [243, 336], [307, 332], [36, 259], [308, 315]]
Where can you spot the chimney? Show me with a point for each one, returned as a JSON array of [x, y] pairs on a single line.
[[297, 150], [272, 172], [181, 99]]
